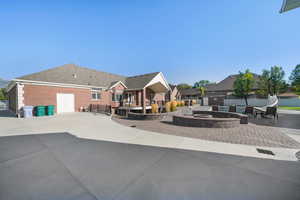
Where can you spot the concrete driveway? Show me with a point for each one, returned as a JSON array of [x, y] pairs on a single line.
[[62, 166], [101, 127]]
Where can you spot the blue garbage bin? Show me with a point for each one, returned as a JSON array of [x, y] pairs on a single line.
[[27, 111]]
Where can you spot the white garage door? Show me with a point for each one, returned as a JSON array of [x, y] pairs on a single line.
[[65, 103]]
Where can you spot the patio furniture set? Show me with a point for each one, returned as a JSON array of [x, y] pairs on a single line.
[[249, 110]]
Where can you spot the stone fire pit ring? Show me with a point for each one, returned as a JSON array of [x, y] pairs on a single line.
[[191, 121], [142, 116], [218, 114]]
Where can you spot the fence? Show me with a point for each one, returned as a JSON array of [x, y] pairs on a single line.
[[263, 102], [100, 108], [3, 105], [251, 102], [294, 102]]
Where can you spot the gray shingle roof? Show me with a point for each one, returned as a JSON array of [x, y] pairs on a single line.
[[138, 82], [190, 91], [227, 83], [73, 74]]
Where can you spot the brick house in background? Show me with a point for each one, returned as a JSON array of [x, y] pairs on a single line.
[[71, 88], [190, 93], [218, 92]]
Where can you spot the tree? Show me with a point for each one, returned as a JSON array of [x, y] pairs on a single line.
[[202, 91], [271, 81], [276, 75], [284, 87], [295, 78], [3, 94], [264, 83], [201, 83], [243, 85], [183, 86]]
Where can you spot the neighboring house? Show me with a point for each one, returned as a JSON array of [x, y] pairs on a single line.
[[217, 92], [289, 98], [71, 88], [190, 93], [172, 94]]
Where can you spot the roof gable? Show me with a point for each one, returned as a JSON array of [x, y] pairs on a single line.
[[115, 83], [140, 81]]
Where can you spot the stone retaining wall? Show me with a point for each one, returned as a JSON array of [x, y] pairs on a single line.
[[142, 116], [191, 121], [243, 118]]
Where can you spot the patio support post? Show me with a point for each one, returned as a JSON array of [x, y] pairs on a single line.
[[144, 100]]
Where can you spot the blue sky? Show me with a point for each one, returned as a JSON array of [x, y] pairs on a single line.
[[186, 40]]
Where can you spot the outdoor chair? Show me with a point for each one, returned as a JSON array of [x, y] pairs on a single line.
[[232, 108], [240, 109], [250, 110], [215, 108], [270, 111], [224, 108]]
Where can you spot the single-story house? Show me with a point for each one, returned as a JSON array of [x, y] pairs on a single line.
[[71, 88], [190, 93], [217, 92], [289, 98]]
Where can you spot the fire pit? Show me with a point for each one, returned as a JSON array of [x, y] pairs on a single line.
[[210, 119], [202, 115]]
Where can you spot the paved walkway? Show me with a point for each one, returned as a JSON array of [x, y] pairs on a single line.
[[259, 132], [101, 127], [61, 166]]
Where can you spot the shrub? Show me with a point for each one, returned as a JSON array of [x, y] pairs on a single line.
[[154, 108], [173, 106], [179, 103], [168, 107], [182, 103]]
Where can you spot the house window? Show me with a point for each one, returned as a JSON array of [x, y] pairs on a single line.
[[117, 97], [96, 95]]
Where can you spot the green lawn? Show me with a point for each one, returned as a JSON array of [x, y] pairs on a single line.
[[289, 108]]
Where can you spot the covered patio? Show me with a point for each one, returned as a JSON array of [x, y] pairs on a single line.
[[140, 100]]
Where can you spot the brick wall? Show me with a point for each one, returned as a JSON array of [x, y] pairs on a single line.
[[46, 95]]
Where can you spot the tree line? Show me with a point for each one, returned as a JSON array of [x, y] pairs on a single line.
[[198, 84], [270, 82]]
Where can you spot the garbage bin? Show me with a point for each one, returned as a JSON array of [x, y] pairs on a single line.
[[40, 111], [50, 110], [27, 111]]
